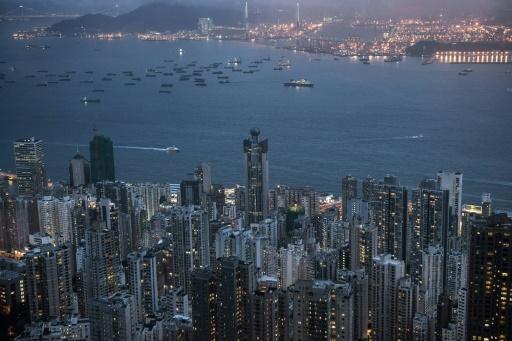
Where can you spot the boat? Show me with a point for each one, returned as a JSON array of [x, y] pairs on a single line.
[[64, 79], [30, 76], [41, 84], [366, 62], [278, 68], [164, 91], [70, 72], [89, 72], [111, 74], [285, 63], [428, 61], [106, 79], [150, 75], [166, 85], [393, 59], [364, 59], [129, 83], [467, 70], [462, 73], [86, 100], [199, 80], [222, 77], [248, 71], [184, 78], [42, 71], [237, 70], [98, 90], [299, 83], [136, 79], [168, 74], [235, 61], [200, 84], [53, 82], [217, 73], [224, 82]]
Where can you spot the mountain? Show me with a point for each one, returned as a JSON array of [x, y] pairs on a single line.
[[152, 17]]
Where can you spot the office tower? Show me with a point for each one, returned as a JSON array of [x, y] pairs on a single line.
[[30, 171], [190, 231], [322, 310], [101, 261], [490, 280], [384, 279], [429, 220], [142, 282], [49, 281], [256, 177], [79, 171], [13, 303], [358, 281], [203, 174], [190, 191], [348, 192], [452, 182], [265, 314], [405, 308], [236, 282], [113, 318], [204, 304], [101, 152], [389, 214]]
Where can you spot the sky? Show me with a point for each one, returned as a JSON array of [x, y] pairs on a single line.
[[390, 8]]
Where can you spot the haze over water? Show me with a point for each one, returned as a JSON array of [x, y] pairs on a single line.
[[358, 119]]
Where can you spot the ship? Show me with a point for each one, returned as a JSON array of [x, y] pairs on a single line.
[[393, 59], [364, 59], [299, 83], [86, 100], [235, 61], [467, 70], [285, 63]]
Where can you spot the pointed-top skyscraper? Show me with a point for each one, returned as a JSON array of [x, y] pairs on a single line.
[[256, 177]]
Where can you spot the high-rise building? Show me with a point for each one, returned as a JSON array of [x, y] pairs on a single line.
[[79, 171], [452, 182], [256, 177], [114, 318], [204, 25], [236, 283], [348, 192], [204, 305], [190, 230], [203, 174], [265, 314], [30, 171], [101, 152], [322, 310], [142, 282], [431, 283], [190, 193], [49, 281], [490, 280], [388, 212], [405, 308], [101, 261], [384, 280], [429, 222], [13, 303]]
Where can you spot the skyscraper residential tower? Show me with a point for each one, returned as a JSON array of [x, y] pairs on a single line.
[[256, 177], [79, 171]]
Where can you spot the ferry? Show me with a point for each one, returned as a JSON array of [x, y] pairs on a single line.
[[86, 100], [467, 70], [285, 63], [299, 83]]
